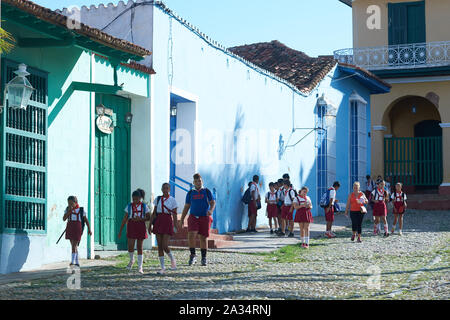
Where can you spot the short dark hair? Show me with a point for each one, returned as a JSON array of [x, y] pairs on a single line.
[[136, 194], [72, 198], [197, 176], [304, 188], [271, 184], [142, 192], [255, 178], [165, 184], [280, 181], [287, 183], [336, 184], [286, 176]]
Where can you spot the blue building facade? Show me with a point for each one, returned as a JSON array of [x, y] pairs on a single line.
[[216, 113]]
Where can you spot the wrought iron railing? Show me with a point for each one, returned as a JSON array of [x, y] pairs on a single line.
[[405, 56]]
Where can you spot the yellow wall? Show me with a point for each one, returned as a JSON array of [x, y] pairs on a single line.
[[401, 126], [437, 13]]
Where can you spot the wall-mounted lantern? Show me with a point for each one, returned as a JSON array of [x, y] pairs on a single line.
[[173, 111], [129, 118], [19, 90], [100, 110]]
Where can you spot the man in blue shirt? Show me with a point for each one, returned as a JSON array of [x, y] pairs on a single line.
[[201, 204]]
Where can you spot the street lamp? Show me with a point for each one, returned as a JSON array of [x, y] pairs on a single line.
[[129, 118], [18, 91]]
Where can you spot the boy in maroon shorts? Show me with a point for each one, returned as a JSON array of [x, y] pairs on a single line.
[[201, 204], [329, 211]]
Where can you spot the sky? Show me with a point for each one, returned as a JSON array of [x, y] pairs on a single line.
[[316, 27]]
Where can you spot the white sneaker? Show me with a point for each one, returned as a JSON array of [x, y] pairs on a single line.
[[141, 271], [130, 265], [162, 271], [400, 233]]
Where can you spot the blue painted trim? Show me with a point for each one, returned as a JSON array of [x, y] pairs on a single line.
[[375, 86]]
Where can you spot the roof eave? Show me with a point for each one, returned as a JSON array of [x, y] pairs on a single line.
[[347, 2], [375, 85]]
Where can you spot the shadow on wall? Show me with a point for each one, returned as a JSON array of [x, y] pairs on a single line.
[[18, 254]]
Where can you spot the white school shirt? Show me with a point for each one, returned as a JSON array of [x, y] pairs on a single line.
[[271, 196], [75, 216], [280, 194], [376, 195], [138, 209], [254, 187], [398, 196], [369, 185], [170, 203], [300, 200], [332, 195], [287, 199]]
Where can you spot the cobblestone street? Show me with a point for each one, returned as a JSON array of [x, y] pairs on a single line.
[[412, 266]]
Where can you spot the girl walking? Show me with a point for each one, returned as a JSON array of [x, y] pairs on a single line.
[[136, 214], [302, 203], [76, 217], [164, 218], [399, 199], [380, 197], [356, 204]]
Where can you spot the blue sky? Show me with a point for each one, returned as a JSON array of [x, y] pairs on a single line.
[[317, 27]]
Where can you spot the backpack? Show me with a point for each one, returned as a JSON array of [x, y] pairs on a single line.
[[130, 210], [246, 196], [82, 215], [325, 200], [295, 194]]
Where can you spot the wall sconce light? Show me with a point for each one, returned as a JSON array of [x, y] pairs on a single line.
[[100, 109], [414, 109], [173, 111], [129, 118], [19, 90]]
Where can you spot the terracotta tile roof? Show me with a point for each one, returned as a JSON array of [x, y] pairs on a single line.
[[296, 67], [58, 19], [367, 73]]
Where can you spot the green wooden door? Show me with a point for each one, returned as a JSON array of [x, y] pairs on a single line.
[[112, 175]]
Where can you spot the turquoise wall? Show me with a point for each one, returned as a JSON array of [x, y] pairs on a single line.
[[68, 146]]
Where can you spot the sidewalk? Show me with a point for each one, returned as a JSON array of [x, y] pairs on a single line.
[[50, 270], [263, 241]]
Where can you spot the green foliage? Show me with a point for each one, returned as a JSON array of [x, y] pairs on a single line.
[[6, 41]]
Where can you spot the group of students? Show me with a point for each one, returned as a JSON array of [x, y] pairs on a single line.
[[163, 222]]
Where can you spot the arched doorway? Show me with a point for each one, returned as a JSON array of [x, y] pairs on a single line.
[[413, 148]]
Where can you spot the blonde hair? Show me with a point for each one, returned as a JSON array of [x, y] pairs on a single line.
[[356, 183]]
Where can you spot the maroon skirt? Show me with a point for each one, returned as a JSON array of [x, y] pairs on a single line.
[[272, 211], [136, 230], [399, 207], [303, 215], [73, 230], [380, 209], [163, 224]]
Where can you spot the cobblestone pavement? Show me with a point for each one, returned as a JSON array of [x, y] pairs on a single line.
[[413, 266]]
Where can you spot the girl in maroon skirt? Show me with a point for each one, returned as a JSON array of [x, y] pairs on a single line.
[[399, 199], [75, 217], [163, 219], [136, 214], [272, 209], [380, 197], [302, 203]]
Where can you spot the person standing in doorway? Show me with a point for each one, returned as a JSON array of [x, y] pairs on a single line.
[[356, 204], [136, 214], [201, 203], [329, 210], [254, 205]]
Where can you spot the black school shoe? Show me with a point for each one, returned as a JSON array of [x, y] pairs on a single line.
[[204, 262], [291, 235], [386, 234], [271, 231], [281, 234], [192, 260]]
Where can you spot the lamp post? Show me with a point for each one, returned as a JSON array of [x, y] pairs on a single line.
[[19, 90]]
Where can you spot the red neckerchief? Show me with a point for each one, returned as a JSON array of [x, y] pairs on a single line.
[[134, 209], [273, 194], [77, 206], [380, 193], [399, 196], [163, 198]]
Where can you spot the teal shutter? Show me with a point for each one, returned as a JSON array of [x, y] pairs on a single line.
[[406, 23], [416, 23], [23, 157]]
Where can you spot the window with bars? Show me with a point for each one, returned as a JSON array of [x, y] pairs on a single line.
[[326, 148], [24, 156], [358, 141]]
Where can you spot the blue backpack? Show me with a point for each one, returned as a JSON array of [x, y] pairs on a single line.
[[246, 197], [325, 200]]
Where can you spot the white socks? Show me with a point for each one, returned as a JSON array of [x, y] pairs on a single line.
[[140, 261], [307, 240], [161, 261], [74, 255], [76, 258], [131, 254]]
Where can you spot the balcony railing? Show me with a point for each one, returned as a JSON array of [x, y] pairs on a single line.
[[407, 56]]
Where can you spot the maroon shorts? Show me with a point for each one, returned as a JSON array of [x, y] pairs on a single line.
[[380, 209], [399, 207], [329, 214], [163, 224], [286, 213], [252, 210], [201, 225], [73, 230], [303, 215], [136, 230], [272, 211]]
